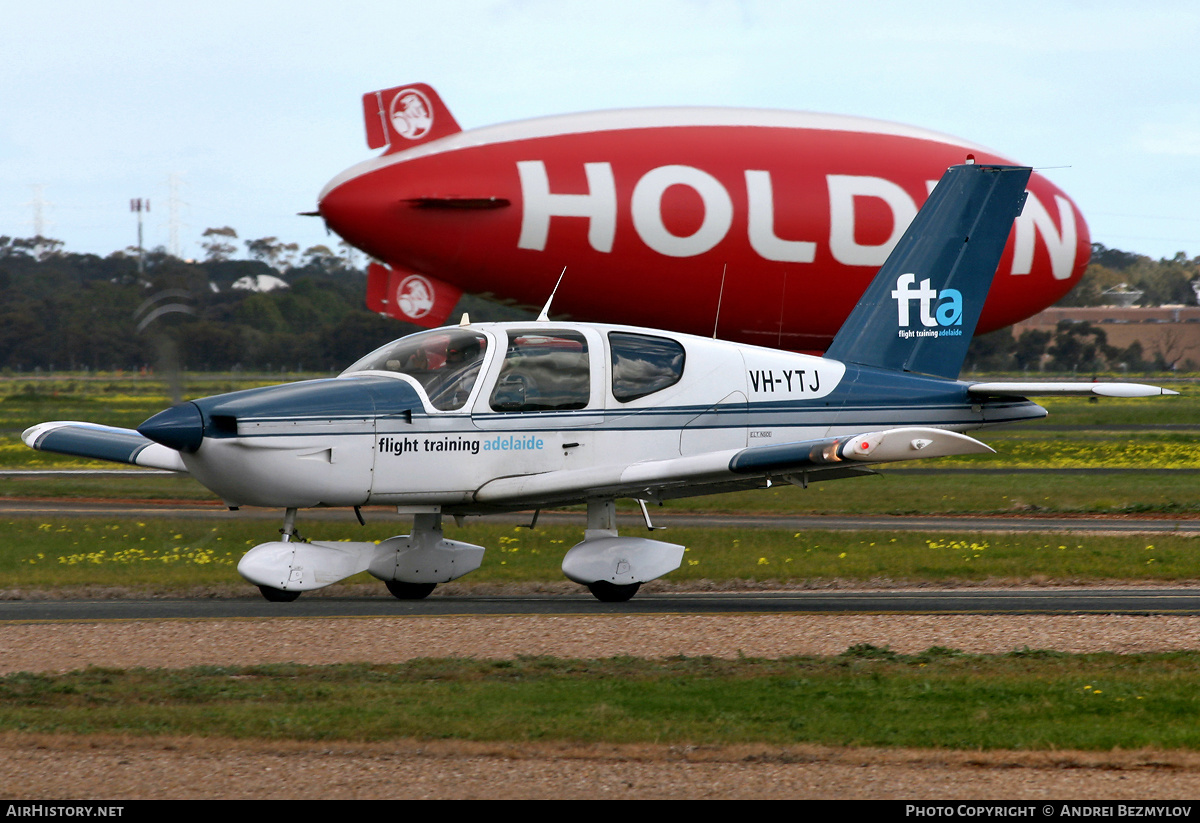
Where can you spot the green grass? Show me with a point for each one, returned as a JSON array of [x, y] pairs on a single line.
[[865, 697], [164, 555], [992, 493], [1112, 411], [130, 485], [114, 400], [1035, 449]]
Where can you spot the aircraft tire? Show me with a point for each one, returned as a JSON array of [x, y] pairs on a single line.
[[409, 591], [278, 595], [607, 592]]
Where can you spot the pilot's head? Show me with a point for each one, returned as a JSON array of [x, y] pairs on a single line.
[[462, 351]]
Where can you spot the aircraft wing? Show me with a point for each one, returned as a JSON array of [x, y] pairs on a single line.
[[98, 442], [801, 462], [1044, 388], [887, 446]]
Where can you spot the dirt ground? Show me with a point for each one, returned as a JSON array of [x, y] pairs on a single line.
[[113, 768], [128, 768]]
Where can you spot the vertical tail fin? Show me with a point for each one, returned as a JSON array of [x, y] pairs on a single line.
[[921, 309], [405, 116]]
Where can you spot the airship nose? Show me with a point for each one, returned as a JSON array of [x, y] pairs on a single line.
[[179, 427], [332, 204], [386, 211], [347, 204]]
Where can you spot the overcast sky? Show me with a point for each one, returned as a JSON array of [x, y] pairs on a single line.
[[252, 106]]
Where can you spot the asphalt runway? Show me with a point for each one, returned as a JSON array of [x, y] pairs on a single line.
[[998, 523], [1131, 601]]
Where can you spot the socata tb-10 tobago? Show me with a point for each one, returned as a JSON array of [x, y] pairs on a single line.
[[492, 417], [765, 212]]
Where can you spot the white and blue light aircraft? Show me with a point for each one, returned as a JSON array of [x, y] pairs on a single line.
[[493, 417]]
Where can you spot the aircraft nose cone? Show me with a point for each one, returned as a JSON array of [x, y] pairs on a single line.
[[180, 427]]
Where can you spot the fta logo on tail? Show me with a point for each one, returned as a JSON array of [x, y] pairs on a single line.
[[940, 312]]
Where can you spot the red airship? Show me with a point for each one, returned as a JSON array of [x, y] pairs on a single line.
[[757, 226]]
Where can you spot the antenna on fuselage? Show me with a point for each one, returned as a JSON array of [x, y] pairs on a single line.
[[782, 304], [545, 315], [720, 294]]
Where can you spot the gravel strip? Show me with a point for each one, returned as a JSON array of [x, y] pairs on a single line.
[[49, 647]]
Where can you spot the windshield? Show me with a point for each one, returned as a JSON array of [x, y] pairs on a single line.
[[444, 361]]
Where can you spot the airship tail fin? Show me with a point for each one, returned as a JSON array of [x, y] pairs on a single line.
[[406, 116], [409, 296], [921, 309]]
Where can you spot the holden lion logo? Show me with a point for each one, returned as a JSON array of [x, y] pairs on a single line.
[[414, 296], [940, 312], [412, 116]]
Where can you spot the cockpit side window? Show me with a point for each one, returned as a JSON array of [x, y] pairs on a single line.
[[543, 371], [642, 364], [444, 361]]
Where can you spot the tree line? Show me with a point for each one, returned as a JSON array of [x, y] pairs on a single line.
[[1083, 347], [82, 312], [1162, 282], [1071, 347]]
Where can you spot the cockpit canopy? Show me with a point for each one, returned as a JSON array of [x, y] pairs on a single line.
[[542, 369], [444, 361]]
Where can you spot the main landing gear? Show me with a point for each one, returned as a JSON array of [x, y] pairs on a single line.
[[614, 567], [607, 592], [409, 591], [278, 595], [272, 594], [412, 565]]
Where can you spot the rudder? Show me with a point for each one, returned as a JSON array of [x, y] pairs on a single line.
[[920, 311]]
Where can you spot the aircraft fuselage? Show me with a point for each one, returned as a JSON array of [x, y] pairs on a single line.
[[577, 403]]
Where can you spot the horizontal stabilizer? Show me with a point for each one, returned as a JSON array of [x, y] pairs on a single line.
[[1052, 388], [98, 442]]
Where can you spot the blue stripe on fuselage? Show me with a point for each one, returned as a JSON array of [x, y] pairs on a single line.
[[865, 397]]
